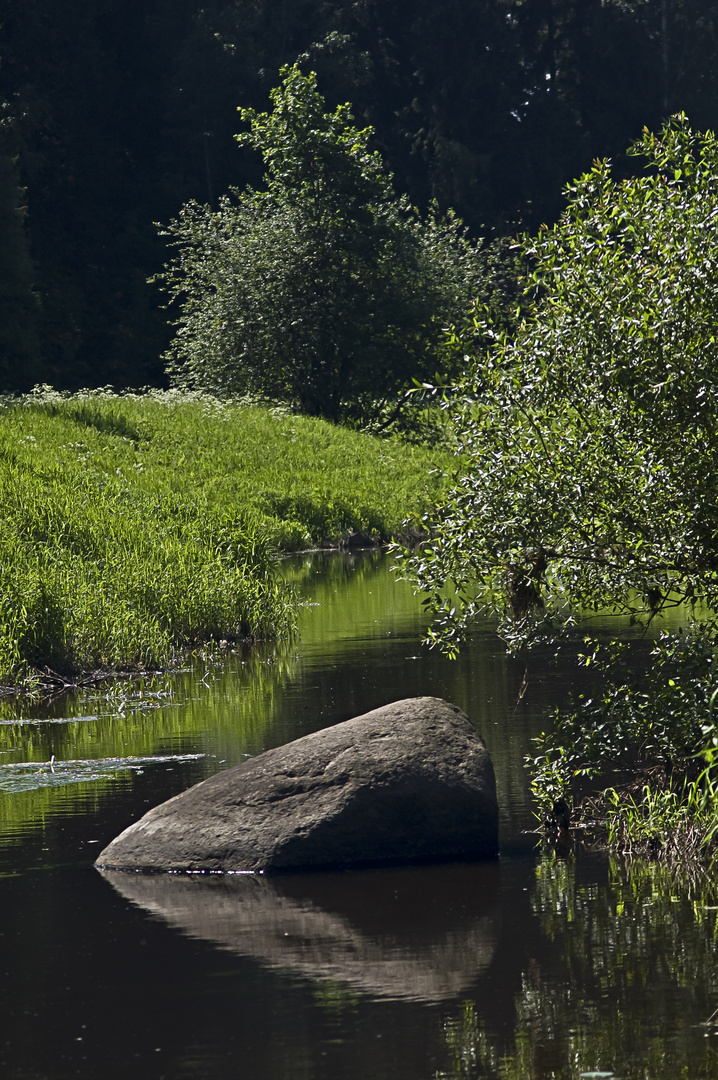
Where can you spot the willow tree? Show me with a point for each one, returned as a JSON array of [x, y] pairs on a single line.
[[589, 477], [590, 432], [326, 289]]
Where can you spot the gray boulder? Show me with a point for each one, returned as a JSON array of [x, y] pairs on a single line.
[[410, 782]]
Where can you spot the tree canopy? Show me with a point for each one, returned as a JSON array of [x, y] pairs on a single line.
[[19, 309], [123, 112], [326, 289], [589, 434]]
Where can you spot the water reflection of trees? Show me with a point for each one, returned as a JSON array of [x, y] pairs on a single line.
[[219, 708], [628, 985]]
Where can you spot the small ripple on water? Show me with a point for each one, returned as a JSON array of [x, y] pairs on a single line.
[[51, 720], [30, 775], [120, 711]]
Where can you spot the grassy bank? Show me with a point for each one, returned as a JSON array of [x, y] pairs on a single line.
[[134, 526]]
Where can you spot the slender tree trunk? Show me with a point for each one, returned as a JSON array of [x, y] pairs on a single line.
[[208, 170], [664, 56]]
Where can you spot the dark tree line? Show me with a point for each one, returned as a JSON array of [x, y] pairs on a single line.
[[116, 112]]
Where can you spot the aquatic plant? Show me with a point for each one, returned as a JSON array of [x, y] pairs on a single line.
[[636, 759]]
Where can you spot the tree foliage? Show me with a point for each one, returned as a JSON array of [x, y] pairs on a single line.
[[590, 433], [19, 309], [326, 289], [124, 112]]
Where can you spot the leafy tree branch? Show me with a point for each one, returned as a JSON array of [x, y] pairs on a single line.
[[325, 290]]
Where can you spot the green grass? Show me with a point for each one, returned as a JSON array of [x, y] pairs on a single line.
[[677, 823], [132, 526]]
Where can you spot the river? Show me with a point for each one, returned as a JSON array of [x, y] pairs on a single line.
[[534, 966]]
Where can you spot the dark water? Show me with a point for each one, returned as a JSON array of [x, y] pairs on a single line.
[[534, 966]]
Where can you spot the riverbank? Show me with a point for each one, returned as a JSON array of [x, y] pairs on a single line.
[[135, 526], [632, 764], [615, 962]]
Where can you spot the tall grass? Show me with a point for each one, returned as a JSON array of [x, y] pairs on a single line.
[[676, 819], [134, 525]]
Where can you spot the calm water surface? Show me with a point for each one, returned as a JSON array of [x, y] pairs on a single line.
[[533, 966]]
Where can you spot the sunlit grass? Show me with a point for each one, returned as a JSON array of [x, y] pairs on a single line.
[[134, 526]]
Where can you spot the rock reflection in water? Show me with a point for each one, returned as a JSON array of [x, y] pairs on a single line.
[[418, 933]]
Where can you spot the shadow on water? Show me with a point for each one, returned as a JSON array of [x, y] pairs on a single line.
[[421, 934], [535, 967]]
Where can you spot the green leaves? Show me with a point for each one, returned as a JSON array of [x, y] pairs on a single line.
[[588, 435], [313, 156], [326, 290], [590, 429]]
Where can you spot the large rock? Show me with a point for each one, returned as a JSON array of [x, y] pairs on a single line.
[[410, 782]]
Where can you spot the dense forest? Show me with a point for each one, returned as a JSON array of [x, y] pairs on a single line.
[[116, 112]]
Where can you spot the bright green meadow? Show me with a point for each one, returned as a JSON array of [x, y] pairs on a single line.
[[134, 526]]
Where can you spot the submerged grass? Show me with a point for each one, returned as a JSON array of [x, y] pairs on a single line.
[[134, 525]]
